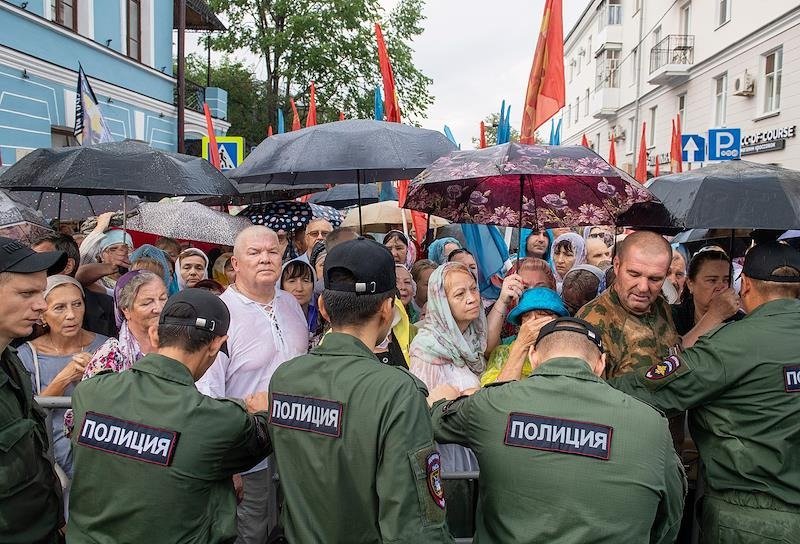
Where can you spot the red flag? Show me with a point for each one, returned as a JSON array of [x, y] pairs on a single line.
[[657, 168], [213, 150], [341, 116], [612, 153], [641, 163], [483, 135], [296, 120], [269, 131], [678, 147], [584, 141], [311, 119], [545, 93], [391, 109]]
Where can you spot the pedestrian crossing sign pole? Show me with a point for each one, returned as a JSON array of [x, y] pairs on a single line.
[[231, 151]]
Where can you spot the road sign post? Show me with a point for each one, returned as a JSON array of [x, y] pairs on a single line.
[[693, 148], [724, 144]]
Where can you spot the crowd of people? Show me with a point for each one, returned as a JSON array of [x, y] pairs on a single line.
[[371, 366]]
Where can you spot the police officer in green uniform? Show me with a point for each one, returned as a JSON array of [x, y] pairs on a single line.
[[153, 456], [741, 384], [30, 492], [564, 457], [352, 437]]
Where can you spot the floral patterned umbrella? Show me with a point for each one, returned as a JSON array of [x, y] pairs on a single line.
[[515, 185]]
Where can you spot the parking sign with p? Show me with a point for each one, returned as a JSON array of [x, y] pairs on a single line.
[[724, 144]]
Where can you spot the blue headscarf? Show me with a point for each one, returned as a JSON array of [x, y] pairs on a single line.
[[537, 298], [152, 252], [436, 249], [523, 245]]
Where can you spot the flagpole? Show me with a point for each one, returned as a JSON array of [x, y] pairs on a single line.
[[181, 5]]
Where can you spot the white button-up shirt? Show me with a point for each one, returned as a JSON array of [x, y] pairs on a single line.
[[259, 340]]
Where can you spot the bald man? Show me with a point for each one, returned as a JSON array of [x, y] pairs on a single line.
[[634, 320], [267, 328]]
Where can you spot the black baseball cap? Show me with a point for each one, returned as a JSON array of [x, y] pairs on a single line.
[[763, 259], [572, 324], [370, 263], [17, 257], [200, 309]]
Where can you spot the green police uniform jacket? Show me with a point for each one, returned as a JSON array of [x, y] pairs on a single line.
[[354, 449], [30, 502], [741, 384], [566, 458], [154, 457]]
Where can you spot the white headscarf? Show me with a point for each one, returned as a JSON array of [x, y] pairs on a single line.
[[190, 252]]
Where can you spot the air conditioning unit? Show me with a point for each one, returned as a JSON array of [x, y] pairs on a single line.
[[744, 85]]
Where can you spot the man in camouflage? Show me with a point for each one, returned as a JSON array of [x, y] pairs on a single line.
[[633, 318]]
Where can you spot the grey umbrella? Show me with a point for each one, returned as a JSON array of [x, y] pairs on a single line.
[[350, 151], [19, 221], [73, 207], [188, 221], [346, 196], [127, 167]]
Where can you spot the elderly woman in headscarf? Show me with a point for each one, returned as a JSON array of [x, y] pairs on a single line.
[[218, 270], [139, 297], [400, 247], [439, 249], [449, 346], [111, 250], [157, 261], [509, 361], [191, 267], [569, 250]]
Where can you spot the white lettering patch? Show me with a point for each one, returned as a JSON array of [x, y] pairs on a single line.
[[306, 414], [128, 439], [559, 435], [791, 379]]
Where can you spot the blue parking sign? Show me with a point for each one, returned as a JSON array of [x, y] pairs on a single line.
[[724, 144]]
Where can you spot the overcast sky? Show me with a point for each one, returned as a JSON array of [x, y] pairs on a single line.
[[478, 53]]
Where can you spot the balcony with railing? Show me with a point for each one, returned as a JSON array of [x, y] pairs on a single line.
[[195, 96], [671, 59]]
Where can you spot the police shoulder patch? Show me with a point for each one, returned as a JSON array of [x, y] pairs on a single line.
[[791, 378], [128, 439], [661, 370], [433, 476]]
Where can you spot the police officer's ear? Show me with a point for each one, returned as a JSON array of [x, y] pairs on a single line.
[[152, 334], [215, 345], [599, 365], [323, 311], [534, 358]]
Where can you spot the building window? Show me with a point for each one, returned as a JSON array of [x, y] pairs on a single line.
[[686, 19], [571, 69], [586, 104], [581, 56], [65, 13], [589, 49], [773, 67], [634, 64], [724, 12], [631, 134], [569, 115], [134, 18], [63, 137], [720, 99], [577, 109], [652, 132], [656, 35], [615, 12], [608, 69], [596, 143], [682, 110]]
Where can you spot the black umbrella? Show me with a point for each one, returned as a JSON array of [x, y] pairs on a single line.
[[127, 167], [19, 221], [351, 151], [732, 195], [289, 216], [256, 193], [73, 207], [346, 196]]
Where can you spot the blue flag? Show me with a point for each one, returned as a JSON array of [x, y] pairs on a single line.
[[378, 104], [281, 123], [555, 132]]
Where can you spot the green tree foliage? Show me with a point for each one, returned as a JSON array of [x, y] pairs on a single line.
[[491, 123], [247, 96], [331, 43]]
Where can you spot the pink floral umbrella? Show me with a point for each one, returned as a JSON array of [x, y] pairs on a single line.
[[515, 185]]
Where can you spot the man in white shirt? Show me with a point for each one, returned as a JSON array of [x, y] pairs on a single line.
[[267, 329]]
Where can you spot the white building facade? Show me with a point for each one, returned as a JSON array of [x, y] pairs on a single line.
[[719, 63]]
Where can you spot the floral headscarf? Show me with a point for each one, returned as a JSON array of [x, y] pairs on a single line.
[[578, 248], [436, 249], [439, 340]]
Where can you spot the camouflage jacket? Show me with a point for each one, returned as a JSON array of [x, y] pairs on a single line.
[[631, 341]]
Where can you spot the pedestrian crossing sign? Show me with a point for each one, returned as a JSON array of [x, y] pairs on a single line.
[[231, 151]]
